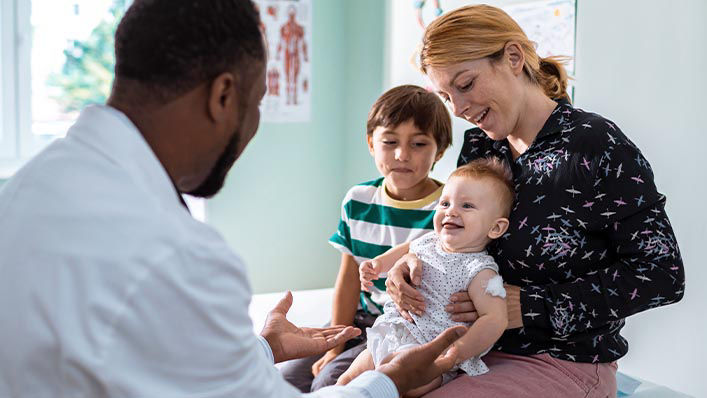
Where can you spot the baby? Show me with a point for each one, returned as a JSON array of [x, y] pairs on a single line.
[[472, 211]]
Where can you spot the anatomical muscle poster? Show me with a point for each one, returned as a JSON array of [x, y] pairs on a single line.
[[288, 29]]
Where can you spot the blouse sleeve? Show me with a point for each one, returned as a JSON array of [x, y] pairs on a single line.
[[647, 271]]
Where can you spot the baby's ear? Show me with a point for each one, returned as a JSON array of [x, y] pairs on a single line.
[[499, 227]]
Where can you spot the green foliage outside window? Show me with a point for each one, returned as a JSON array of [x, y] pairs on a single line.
[[87, 74]]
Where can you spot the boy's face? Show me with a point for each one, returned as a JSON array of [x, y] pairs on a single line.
[[469, 214], [404, 155]]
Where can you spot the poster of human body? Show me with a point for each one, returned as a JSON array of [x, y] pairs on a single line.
[[288, 30]]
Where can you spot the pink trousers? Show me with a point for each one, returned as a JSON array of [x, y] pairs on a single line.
[[533, 376]]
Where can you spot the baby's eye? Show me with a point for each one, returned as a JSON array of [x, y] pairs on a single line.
[[444, 204], [468, 206]]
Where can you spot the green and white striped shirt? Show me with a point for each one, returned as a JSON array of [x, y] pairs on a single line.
[[372, 222]]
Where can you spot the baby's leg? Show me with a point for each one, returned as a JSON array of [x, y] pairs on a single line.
[[362, 363], [420, 391]]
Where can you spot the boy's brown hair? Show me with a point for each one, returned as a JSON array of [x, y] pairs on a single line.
[[426, 109], [495, 169]]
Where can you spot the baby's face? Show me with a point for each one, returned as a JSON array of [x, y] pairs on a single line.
[[468, 214]]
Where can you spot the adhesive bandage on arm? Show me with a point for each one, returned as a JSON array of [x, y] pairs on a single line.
[[495, 287]]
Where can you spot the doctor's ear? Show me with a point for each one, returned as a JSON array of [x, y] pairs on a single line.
[[223, 97], [500, 226]]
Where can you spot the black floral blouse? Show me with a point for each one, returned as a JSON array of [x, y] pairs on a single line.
[[589, 242]]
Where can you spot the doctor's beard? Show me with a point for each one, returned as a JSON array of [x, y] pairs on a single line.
[[217, 177]]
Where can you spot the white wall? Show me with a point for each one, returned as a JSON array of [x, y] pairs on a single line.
[[641, 63]]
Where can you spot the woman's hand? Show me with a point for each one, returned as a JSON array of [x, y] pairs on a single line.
[[325, 359], [515, 317], [406, 298], [462, 309]]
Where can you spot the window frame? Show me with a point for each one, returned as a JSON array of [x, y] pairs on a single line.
[[8, 99], [18, 144]]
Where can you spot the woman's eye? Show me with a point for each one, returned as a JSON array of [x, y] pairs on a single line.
[[466, 86]]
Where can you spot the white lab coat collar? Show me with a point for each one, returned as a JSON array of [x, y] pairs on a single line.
[[111, 133]]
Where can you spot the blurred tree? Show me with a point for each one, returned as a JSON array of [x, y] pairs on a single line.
[[87, 74]]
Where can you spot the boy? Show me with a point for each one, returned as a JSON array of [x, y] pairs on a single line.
[[407, 131], [472, 211]]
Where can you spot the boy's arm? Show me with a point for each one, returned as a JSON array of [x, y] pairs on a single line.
[[492, 321], [346, 292], [344, 305]]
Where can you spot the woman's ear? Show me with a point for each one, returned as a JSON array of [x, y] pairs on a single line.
[[499, 227], [515, 57]]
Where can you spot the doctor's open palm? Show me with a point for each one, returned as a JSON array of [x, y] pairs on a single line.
[[288, 341]]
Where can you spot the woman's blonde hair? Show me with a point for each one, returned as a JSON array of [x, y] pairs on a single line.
[[478, 31]]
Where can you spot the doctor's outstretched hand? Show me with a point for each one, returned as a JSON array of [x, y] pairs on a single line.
[[288, 341], [417, 366]]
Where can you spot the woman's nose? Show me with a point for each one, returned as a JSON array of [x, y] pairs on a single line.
[[459, 107]]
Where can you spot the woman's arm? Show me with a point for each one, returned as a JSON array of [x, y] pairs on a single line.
[[646, 270], [492, 319], [345, 303], [648, 273]]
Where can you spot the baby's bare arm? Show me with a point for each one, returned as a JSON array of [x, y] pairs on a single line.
[[388, 259], [370, 270], [493, 318]]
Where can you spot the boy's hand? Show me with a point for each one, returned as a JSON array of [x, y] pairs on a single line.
[[325, 359], [368, 271]]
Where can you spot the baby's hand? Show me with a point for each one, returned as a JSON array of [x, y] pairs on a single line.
[[368, 272]]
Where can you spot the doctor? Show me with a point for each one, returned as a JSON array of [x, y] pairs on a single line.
[[109, 288]]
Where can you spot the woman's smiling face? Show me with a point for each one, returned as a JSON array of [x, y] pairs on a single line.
[[486, 93]]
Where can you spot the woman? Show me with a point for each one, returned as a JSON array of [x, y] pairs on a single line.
[[589, 242]]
